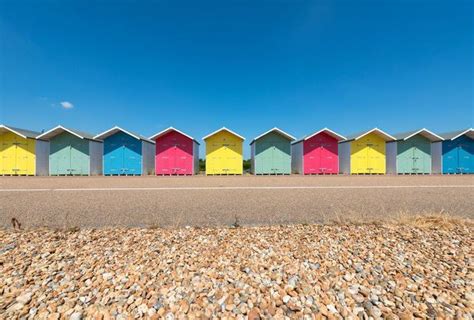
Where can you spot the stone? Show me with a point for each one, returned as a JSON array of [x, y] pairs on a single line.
[[398, 293], [292, 281], [15, 307], [24, 298], [254, 314], [183, 307], [76, 316], [142, 309], [53, 316], [107, 276], [348, 277], [354, 289], [331, 308]]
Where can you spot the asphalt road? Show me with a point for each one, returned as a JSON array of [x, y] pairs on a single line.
[[199, 200]]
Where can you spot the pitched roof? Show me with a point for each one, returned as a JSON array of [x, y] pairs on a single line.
[[21, 132], [163, 132], [60, 129], [424, 132], [116, 129], [325, 130], [359, 135], [456, 134], [223, 129], [275, 129]]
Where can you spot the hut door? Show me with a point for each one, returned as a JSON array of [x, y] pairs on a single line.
[[359, 157], [181, 159], [466, 155], [264, 164], [113, 155], [279, 157], [8, 154], [421, 148], [60, 155], [328, 153], [312, 156], [421, 159], [132, 163], [164, 153], [25, 158], [376, 158], [405, 157], [231, 157], [451, 161], [375, 146], [79, 157], [64, 159]]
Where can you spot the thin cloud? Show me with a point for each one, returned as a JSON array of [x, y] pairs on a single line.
[[67, 105]]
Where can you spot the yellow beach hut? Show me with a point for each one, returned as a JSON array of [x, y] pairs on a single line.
[[364, 153], [21, 154], [224, 152]]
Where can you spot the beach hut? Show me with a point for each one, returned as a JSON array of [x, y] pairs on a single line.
[[176, 153], [72, 152], [21, 154], [271, 152], [413, 153], [224, 152], [316, 153], [457, 152], [126, 153], [364, 153]]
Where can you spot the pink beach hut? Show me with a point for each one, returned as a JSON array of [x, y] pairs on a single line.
[[316, 153], [176, 153]]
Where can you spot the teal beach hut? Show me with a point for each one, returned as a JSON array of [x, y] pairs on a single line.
[[414, 152], [73, 152], [271, 152]]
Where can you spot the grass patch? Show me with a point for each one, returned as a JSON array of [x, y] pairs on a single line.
[[437, 220]]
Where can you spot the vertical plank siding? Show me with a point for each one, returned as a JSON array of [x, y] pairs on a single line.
[[224, 154], [458, 155], [17, 155], [272, 154]]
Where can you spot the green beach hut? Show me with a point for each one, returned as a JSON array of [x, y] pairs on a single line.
[[414, 152], [271, 153], [73, 152]]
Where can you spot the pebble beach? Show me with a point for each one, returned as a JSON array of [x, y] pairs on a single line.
[[281, 272]]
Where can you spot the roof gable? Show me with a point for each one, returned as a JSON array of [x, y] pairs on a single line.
[[282, 133], [424, 132], [377, 131], [223, 129], [333, 134], [20, 132], [114, 130], [60, 129], [456, 134], [163, 132]]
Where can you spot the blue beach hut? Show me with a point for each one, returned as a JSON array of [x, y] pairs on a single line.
[[126, 153]]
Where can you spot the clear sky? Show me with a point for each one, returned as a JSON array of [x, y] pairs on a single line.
[[247, 65]]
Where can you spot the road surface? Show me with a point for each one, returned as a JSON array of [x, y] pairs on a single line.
[[200, 200]]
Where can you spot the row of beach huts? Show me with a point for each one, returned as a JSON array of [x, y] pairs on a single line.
[[65, 151]]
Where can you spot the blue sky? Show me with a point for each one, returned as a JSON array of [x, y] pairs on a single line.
[[247, 65]]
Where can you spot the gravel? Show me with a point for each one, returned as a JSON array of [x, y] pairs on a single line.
[[299, 271]]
